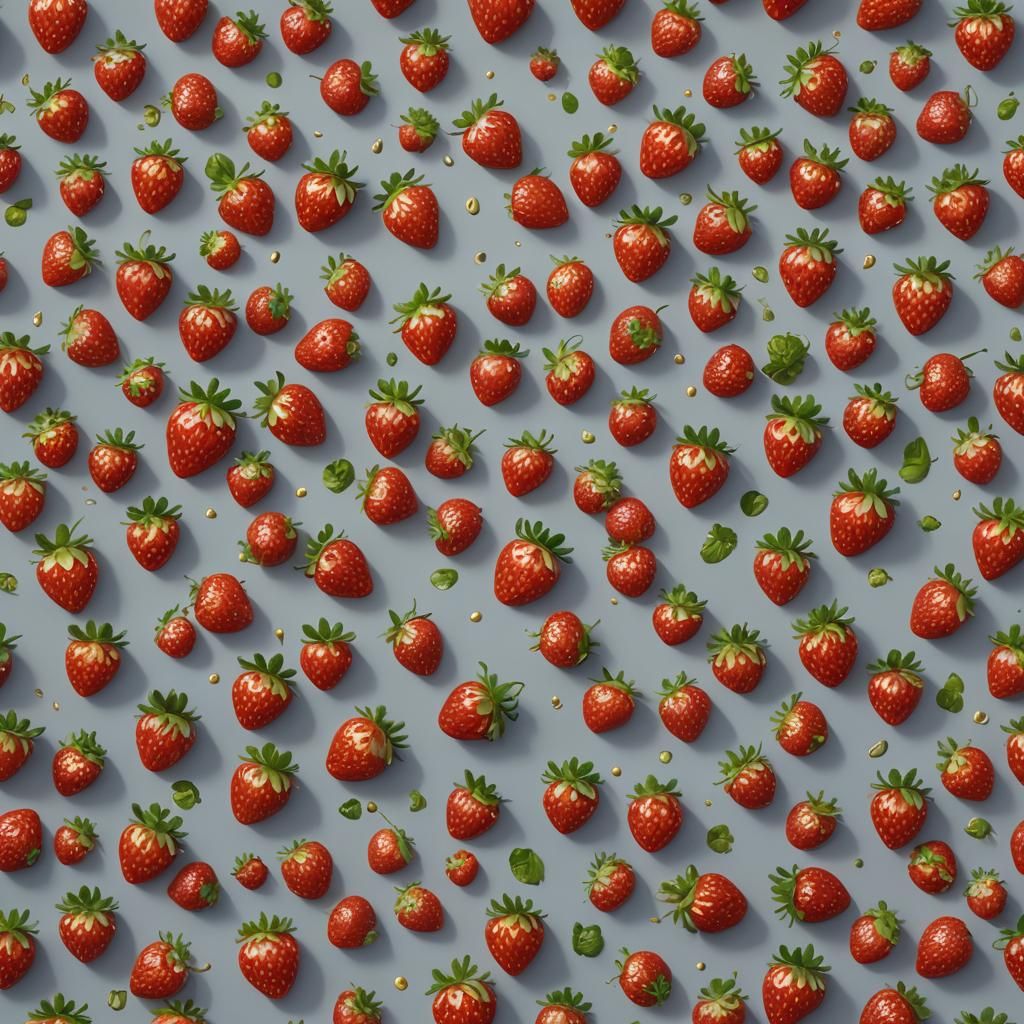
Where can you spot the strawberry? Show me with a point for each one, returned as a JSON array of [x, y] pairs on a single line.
[[814, 178], [598, 484], [179, 19], [238, 41], [808, 895], [157, 174], [961, 201], [723, 224], [794, 984], [268, 309], [352, 924], [250, 478], [78, 762], [16, 736], [942, 605], [675, 29], [10, 162], [246, 201], [895, 686], [454, 525], [56, 27], [812, 822], [1005, 667], [119, 66], [635, 334], [759, 154], [337, 565], [306, 868], [945, 947], [986, 894], [113, 461], [629, 521], [201, 429], [645, 979], [1002, 276], [82, 182], [610, 882], [306, 25], [472, 808], [88, 338], [262, 783], [828, 644], [641, 243], [595, 14], [870, 416], [291, 412], [595, 170], [632, 417], [728, 372], [998, 539], [1012, 945], [428, 324], [328, 346], [748, 778], [88, 923], [348, 282], [1013, 164], [143, 277], [418, 130], [393, 420], [984, 32], [495, 20], [220, 603], [1017, 847], [269, 132], [728, 81], [21, 840], [451, 452], [262, 691], [572, 796], [679, 616], [250, 871], [699, 465], [60, 1011], [721, 1002], [966, 771], [60, 111], [876, 15], [193, 102], [268, 956], [68, 256], [655, 814], [166, 730], [909, 65], [874, 935], [325, 656], [1008, 391], [365, 745], [528, 567], [54, 437], [207, 322], [511, 297], [149, 843], [537, 203], [800, 726], [22, 495], [544, 64], [613, 76], [808, 265], [74, 840], [175, 635], [564, 640], [670, 143], [514, 934], [872, 129], [490, 136], [195, 887], [630, 568], [569, 372], [932, 867], [793, 434], [945, 118], [418, 909], [326, 192], [782, 564], [779, 10], [944, 381], [464, 996], [737, 658], [346, 86], [863, 511], [850, 338], [415, 641], [816, 79], [93, 656], [21, 370], [609, 702], [478, 710], [409, 210], [67, 570], [357, 1006], [883, 205], [566, 1006], [899, 808]]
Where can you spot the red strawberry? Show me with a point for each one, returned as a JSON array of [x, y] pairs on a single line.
[[544, 64], [572, 796], [409, 210], [93, 656], [82, 182], [514, 933], [569, 372], [88, 923], [451, 452], [193, 102], [328, 346], [613, 75], [427, 324], [942, 605], [144, 277], [895, 686], [67, 570], [899, 808], [175, 635], [415, 641], [564, 640], [250, 478], [721, 1002], [119, 66], [808, 265], [945, 118], [655, 814], [566, 1006], [262, 691], [195, 887], [779, 10], [10, 162], [537, 203], [464, 996], [794, 984], [850, 338], [814, 178], [348, 282], [291, 412], [875, 15], [220, 603], [22, 495], [782, 564], [1013, 165], [986, 894], [870, 416], [157, 175], [800, 726], [984, 32], [670, 143], [675, 29], [238, 41], [569, 286], [967, 772], [528, 567], [60, 111], [595, 14], [1005, 668], [306, 868], [54, 437], [495, 20], [490, 136], [89, 339], [78, 763], [16, 736], [207, 322], [325, 656], [635, 335], [748, 778], [609, 702], [179, 19], [393, 420], [737, 658], [631, 568], [74, 840], [641, 243], [595, 170], [1017, 847], [728, 81], [472, 808], [269, 955], [166, 730], [21, 840], [68, 256], [346, 86], [597, 485], [527, 462], [201, 429], [816, 79], [337, 565], [351, 924], [808, 895], [792, 435], [723, 223], [112, 462], [419, 909], [960, 201], [1002, 276], [268, 309], [477, 710], [21, 370], [269, 132], [357, 1006], [812, 822], [418, 130], [511, 297], [56, 27], [364, 746], [632, 417], [645, 979], [828, 644], [1012, 945], [872, 129], [1008, 391], [454, 525], [325, 193], [944, 381], [874, 935], [863, 511], [246, 201], [679, 616], [729, 371], [998, 539], [699, 465], [149, 843], [883, 205], [629, 521], [945, 947], [932, 867], [610, 882], [305, 25], [909, 65], [262, 783], [759, 154]]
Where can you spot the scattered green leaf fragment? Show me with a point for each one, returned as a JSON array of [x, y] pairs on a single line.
[[17, 213], [929, 524], [978, 828], [878, 578], [685, 198], [151, 115], [274, 79], [867, 66], [391, 359], [753, 503], [787, 354], [338, 476], [185, 794], [351, 809], [587, 940], [117, 999], [720, 839], [570, 104], [951, 696], [760, 274], [917, 461], [417, 801], [1007, 108], [8, 582], [444, 579], [719, 544], [1015, 334], [526, 866]]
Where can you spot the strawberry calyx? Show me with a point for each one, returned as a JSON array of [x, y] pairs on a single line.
[[103, 633], [119, 46], [982, 880], [562, 362], [212, 405], [84, 831], [84, 166], [881, 403], [691, 128], [336, 268], [363, 1005], [737, 762], [477, 110], [169, 616], [951, 755], [64, 1010], [685, 604], [543, 53], [912, 53], [908, 786], [825, 620], [1005, 514], [84, 253], [680, 893], [634, 396], [856, 321], [870, 108], [265, 929], [708, 441], [482, 791], [796, 417], [1015, 145], [651, 787], [566, 999], [496, 285], [1008, 364], [249, 25], [207, 299], [603, 478], [254, 464], [718, 291], [279, 301], [672, 688], [394, 186], [21, 729], [993, 258], [620, 62], [47, 421], [986, 1016], [137, 387], [498, 700], [43, 100], [118, 439], [397, 632], [276, 767], [171, 711], [394, 738], [428, 41], [273, 675], [22, 472], [64, 549], [953, 178], [315, 547], [894, 193], [327, 633], [166, 151], [88, 907], [599, 143], [800, 67], [297, 850], [85, 744], [822, 807], [965, 591], [540, 536], [1009, 934], [422, 121], [340, 175], [1012, 639], [728, 644], [242, 861], [925, 270], [806, 968], [464, 976], [737, 208], [724, 995], [756, 138], [601, 869], [541, 443], [784, 883], [885, 922], [792, 548], [397, 394], [874, 493], [516, 913], [158, 821], [743, 73], [651, 219], [781, 716], [14, 927], [314, 10], [188, 1011], [905, 665], [224, 178], [617, 682], [816, 243], [265, 404], [924, 856], [9, 344], [424, 303], [503, 347], [575, 775], [459, 443], [980, 11]]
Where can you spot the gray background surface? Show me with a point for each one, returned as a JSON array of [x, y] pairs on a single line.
[[402, 557]]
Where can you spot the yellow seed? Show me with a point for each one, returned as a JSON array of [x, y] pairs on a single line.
[[275, 256], [318, 134], [679, 359], [448, 161], [378, 146], [480, 257], [869, 261], [518, 244], [551, 97], [587, 437], [616, 770], [210, 513], [612, 129], [956, 494], [214, 678], [837, 34], [472, 206], [614, 600], [56, 705], [878, 749], [981, 717], [301, 492], [700, 965], [371, 807], [38, 692], [90, 501], [654, 920], [665, 756], [488, 74], [687, 92], [401, 984], [279, 633], [241, 556], [475, 616], [707, 803], [556, 703], [37, 319], [691, 392], [25, 79]]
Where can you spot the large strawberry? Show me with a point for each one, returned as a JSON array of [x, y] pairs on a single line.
[[572, 795], [945, 947], [759, 154], [514, 933], [207, 322], [149, 843], [529, 566], [945, 117], [872, 129], [670, 143], [984, 32], [326, 192], [68, 256], [262, 783], [220, 603], [644, 977], [409, 209], [268, 956], [262, 691], [961, 201], [808, 265], [641, 242], [816, 79], [364, 746], [966, 770], [479, 709], [782, 564], [794, 984], [808, 895], [472, 808], [22, 495], [895, 686], [246, 201], [792, 435], [511, 296], [201, 429], [306, 25], [610, 882], [465, 996], [998, 539], [88, 923], [60, 111], [21, 370], [828, 644], [816, 177], [238, 41], [655, 813], [291, 412], [614, 75]]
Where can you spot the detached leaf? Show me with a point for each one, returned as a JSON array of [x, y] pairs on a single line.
[[338, 476], [720, 839], [526, 866], [719, 544], [417, 801], [951, 696], [351, 809], [787, 354], [569, 103], [753, 503], [979, 828], [185, 794], [917, 461], [929, 524], [117, 999], [444, 579], [587, 940]]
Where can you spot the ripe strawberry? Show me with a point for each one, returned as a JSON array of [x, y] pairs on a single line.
[[348, 282], [872, 129], [21, 840], [346, 86], [721, 1002], [357, 1006], [527, 462], [808, 265], [569, 372], [808, 895], [428, 324], [816, 79], [610, 882], [93, 656], [645, 979], [238, 41], [511, 297], [207, 322], [779, 10], [337, 565], [728, 372], [544, 64], [998, 539], [514, 933], [419, 909], [454, 525], [960, 201], [328, 346], [794, 984], [68, 256], [179, 19], [984, 32], [870, 416], [900, 1005], [245, 201], [262, 783], [1005, 667], [895, 686], [326, 192], [1008, 391], [472, 808], [723, 224], [119, 66], [78, 762], [705, 903], [144, 277], [828, 644], [73, 841], [490, 136], [782, 564], [609, 703], [909, 65], [1002, 276], [528, 567], [195, 887], [220, 603], [942, 605], [629, 521], [945, 946], [814, 178], [595, 170], [149, 843], [874, 934], [415, 641], [307, 868], [291, 412], [157, 174], [88, 338], [54, 437], [1013, 165], [759, 154], [451, 452], [737, 658], [193, 102], [352, 923], [56, 27], [364, 746], [630, 568], [166, 730], [966, 771], [82, 182], [306, 25], [800, 726], [597, 486], [409, 210], [875, 15], [564, 640], [250, 871], [478, 709], [10, 162], [812, 822], [113, 461], [268, 309], [792, 435], [537, 203], [632, 417], [655, 813], [883, 205], [863, 511], [250, 478], [670, 143], [944, 381], [641, 242], [572, 796], [21, 370], [262, 691], [175, 635], [945, 118], [464, 996], [22, 495], [986, 894], [675, 29], [88, 923], [67, 570], [899, 808], [393, 420], [495, 20], [1017, 847], [418, 130], [566, 1006], [613, 76], [748, 778], [1012, 945], [268, 956], [201, 429], [635, 334], [16, 736], [60, 111], [932, 867], [325, 656], [850, 338], [728, 81], [699, 465], [679, 616]]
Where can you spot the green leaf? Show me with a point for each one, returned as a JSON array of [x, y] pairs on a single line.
[[569, 103], [185, 794], [917, 461], [8, 582], [587, 940], [719, 544], [929, 524], [978, 828], [878, 578], [338, 476], [720, 839], [351, 809], [951, 696], [787, 354], [117, 999], [417, 801], [526, 866], [444, 579], [753, 503]]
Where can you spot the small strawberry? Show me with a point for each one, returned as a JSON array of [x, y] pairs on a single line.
[[262, 783], [728, 372], [597, 486], [201, 429], [246, 202], [795, 982], [268, 956], [175, 635], [998, 539], [707, 903], [782, 564], [572, 795], [863, 511], [1013, 164], [828, 644], [808, 895], [78, 763], [728, 81], [945, 947], [792, 435], [723, 223], [899, 807], [759, 154], [721, 1002], [909, 65], [195, 887], [609, 702], [544, 64], [564, 640], [268, 309], [21, 841], [944, 381], [478, 709], [88, 338], [748, 778], [942, 605], [409, 210], [874, 934], [641, 242], [816, 79], [630, 568], [966, 771], [537, 203], [945, 118], [511, 297], [326, 192], [250, 478], [632, 417], [737, 658], [306, 25], [454, 525], [352, 923], [812, 822], [1002, 276], [16, 746], [472, 808], [193, 102], [157, 174], [10, 162], [21, 370], [364, 746], [144, 277], [569, 286], [149, 843], [325, 656], [670, 143], [60, 111], [238, 41], [814, 178], [347, 87], [850, 338], [262, 691], [808, 265], [93, 656], [528, 567], [645, 979], [113, 460], [307, 868], [337, 565], [73, 841], [419, 909], [68, 256], [595, 170], [569, 371], [932, 867], [610, 882], [895, 686], [166, 730], [82, 182], [629, 521], [348, 282], [22, 495], [875, 15], [418, 130], [679, 616], [1005, 666], [800, 726], [883, 205], [490, 136], [54, 437], [699, 465], [328, 346], [250, 871], [986, 894], [291, 412], [613, 76]]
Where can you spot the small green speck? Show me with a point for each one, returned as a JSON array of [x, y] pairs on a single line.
[[151, 115], [685, 198], [760, 274], [274, 79], [392, 358], [1015, 334], [570, 104], [867, 66]]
